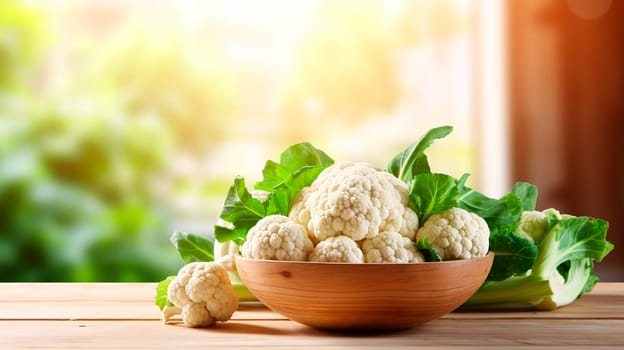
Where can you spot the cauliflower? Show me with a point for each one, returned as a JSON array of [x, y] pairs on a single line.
[[354, 200], [390, 247], [456, 234], [410, 223], [203, 293], [533, 224], [299, 213], [260, 195], [276, 237], [337, 249]]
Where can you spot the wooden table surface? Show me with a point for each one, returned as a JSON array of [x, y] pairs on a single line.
[[123, 316]]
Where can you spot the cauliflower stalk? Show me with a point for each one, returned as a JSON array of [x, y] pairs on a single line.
[[563, 269]]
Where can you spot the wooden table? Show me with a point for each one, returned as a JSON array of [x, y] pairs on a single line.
[[112, 315]]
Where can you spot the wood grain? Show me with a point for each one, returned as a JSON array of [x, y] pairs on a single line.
[[122, 316], [285, 334]]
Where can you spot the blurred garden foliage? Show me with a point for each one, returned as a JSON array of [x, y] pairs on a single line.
[[75, 202], [103, 105], [76, 194]]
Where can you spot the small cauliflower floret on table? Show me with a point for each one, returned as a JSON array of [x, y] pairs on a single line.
[[354, 200], [341, 249], [276, 237], [203, 293], [456, 234], [390, 247]]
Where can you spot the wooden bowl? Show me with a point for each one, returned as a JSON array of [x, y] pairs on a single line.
[[357, 297]]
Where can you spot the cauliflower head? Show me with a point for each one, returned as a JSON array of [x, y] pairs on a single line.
[[260, 195], [204, 293], [341, 249], [390, 247], [456, 234], [533, 224], [300, 214], [276, 237], [354, 200]]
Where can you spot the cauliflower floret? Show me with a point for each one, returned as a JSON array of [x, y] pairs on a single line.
[[533, 224], [355, 200], [276, 237], [456, 234], [390, 247], [300, 214], [260, 195], [340, 249], [410, 223], [203, 292]]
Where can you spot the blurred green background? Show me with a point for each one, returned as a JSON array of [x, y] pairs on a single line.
[[121, 122]]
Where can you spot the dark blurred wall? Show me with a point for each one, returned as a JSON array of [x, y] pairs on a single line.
[[567, 109]]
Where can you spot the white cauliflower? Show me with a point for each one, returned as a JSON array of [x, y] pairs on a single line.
[[299, 213], [456, 234], [340, 249], [276, 237], [355, 200], [390, 247], [260, 195], [533, 224], [203, 293], [410, 223]]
